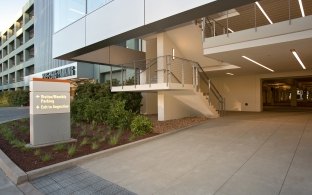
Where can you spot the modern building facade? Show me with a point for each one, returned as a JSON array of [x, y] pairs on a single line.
[[200, 56], [17, 51], [26, 50]]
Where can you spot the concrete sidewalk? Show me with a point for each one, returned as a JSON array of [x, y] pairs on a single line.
[[6, 186], [241, 153]]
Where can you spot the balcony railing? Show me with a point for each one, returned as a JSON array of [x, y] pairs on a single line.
[[250, 16]]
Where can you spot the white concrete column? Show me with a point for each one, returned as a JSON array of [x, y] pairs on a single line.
[[161, 64]]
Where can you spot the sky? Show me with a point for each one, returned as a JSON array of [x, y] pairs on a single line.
[[10, 10]]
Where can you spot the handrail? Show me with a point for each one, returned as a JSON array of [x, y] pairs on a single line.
[[207, 80], [171, 62], [175, 77]]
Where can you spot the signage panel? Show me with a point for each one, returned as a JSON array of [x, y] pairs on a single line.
[[49, 102]]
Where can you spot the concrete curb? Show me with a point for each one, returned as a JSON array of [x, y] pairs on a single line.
[[76, 161], [12, 171]]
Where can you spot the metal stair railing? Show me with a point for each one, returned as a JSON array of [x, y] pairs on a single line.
[[172, 70]]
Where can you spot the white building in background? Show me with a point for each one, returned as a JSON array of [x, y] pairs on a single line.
[[196, 57]]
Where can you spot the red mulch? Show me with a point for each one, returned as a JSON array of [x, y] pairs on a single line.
[[27, 161]]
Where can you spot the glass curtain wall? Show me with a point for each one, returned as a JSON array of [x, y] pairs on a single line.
[[94, 4], [69, 11]]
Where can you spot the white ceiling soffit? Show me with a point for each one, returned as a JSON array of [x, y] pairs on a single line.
[[222, 66]]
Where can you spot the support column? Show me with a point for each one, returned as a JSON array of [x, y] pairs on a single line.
[[293, 101]]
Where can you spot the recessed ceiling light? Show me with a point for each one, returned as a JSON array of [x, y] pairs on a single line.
[[298, 58], [301, 8], [258, 63], [263, 12], [228, 73]]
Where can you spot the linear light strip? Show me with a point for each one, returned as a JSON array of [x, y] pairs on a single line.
[[228, 73], [263, 12], [298, 58], [301, 8], [258, 63], [231, 30]]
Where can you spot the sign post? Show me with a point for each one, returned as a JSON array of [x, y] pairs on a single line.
[[49, 112]]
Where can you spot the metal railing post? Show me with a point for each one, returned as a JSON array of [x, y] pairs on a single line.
[[203, 28], [122, 84], [214, 28], [149, 75], [111, 77], [193, 75], [169, 72], [223, 105], [196, 78], [255, 16], [289, 11], [134, 74], [182, 75], [227, 22]]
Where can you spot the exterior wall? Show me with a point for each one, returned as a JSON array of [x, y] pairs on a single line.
[[240, 90], [43, 37], [89, 29]]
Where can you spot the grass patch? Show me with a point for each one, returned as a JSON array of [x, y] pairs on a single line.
[[37, 152], [94, 145], [59, 147], [71, 150], [17, 143], [84, 142], [46, 157], [114, 138], [83, 133]]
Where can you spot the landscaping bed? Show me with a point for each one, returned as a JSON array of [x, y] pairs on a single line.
[[90, 138]]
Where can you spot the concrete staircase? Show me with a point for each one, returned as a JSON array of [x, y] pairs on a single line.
[[198, 101]]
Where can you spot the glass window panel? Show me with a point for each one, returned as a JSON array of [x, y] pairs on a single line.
[[67, 12], [94, 4]]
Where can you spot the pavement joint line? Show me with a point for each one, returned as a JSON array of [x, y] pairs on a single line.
[[294, 155], [226, 181]]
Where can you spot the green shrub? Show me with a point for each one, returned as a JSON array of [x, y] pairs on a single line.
[[72, 149], [14, 98], [132, 100], [141, 125], [59, 147], [4, 98], [46, 157], [92, 103], [118, 117]]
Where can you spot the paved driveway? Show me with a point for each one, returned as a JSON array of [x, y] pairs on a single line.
[[13, 113], [241, 153]]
